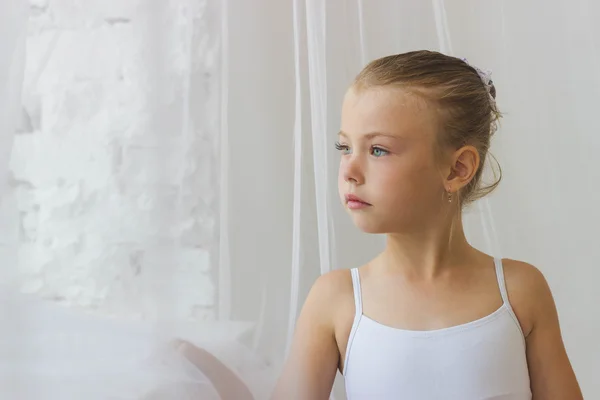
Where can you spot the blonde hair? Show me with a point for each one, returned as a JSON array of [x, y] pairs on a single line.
[[467, 112]]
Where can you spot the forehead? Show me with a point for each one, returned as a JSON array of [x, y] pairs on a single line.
[[389, 110]]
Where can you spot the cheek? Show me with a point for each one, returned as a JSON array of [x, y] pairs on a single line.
[[412, 183], [393, 176]]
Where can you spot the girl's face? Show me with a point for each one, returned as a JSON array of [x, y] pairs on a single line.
[[387, 143]]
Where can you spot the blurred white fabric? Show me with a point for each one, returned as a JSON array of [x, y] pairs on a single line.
[[53, 352]]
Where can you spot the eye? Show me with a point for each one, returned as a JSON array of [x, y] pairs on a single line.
[[378, 151], [342, 147]]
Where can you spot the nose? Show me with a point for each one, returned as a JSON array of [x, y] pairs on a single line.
[[353, 170]]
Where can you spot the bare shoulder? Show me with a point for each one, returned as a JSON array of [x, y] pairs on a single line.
[[331, 296], [314, 357], [329, 291], [529, 293], [550, 370], [522, 275], [333, 283]]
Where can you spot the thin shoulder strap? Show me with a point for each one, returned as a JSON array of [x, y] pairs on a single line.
[[504, 293], [357, 316], [501, 281], [357, 291]]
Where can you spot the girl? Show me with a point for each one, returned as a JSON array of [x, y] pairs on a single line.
[[431, 317]]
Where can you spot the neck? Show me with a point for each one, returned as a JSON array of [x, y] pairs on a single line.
[[427, 253]]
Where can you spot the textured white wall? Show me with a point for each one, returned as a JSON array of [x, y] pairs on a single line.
[[99, 179]]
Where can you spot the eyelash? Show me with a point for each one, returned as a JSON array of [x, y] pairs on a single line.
[[343, 147], [340, 146]]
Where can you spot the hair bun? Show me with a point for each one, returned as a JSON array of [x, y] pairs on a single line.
[[486, 78], [492, 90]]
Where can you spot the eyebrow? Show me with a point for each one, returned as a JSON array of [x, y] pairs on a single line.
[[371, 135]]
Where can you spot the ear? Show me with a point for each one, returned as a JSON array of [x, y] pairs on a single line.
[[464, 165]]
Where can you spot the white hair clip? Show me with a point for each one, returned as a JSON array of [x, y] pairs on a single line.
[[486, 78]]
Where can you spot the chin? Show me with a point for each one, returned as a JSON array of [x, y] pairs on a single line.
[[369, 225]]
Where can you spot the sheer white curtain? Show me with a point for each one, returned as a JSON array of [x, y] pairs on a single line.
[[13, 32], [110, 208], [234, 154]]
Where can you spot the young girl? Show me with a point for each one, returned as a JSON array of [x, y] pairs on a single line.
[[431, 317]]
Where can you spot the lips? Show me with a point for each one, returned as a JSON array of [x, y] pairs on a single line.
[[354, 202], [351, 197]]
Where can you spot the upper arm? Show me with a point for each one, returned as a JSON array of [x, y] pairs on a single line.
[[312, 364], [550, 370]]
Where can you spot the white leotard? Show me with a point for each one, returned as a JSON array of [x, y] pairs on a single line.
[[482, 359]]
